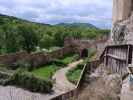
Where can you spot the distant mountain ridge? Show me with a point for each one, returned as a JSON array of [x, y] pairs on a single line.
[[68, 25], [77, 25]]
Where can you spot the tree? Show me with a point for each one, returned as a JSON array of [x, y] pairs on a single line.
[[29, 39], [8, 39]]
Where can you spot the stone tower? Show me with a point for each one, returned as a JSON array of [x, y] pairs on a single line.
[[122, 30], [121, 9]]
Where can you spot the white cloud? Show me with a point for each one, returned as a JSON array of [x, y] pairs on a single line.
[[55, 11]]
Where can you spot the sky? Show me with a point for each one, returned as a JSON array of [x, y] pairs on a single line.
[[97, 12]]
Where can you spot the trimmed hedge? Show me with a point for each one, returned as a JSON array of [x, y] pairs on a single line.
[[74, 74], [29, 81]]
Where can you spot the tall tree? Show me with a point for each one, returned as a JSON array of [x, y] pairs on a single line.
[[29, 39]]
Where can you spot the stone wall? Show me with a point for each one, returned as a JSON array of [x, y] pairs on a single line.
[[71, 45], [81, 44], [36, 59], [122, 32], [121, 10]]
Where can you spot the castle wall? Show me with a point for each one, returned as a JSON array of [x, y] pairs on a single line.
[[36, 59], [121, 9]]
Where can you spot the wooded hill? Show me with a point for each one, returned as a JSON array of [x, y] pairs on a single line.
[[17, 34]]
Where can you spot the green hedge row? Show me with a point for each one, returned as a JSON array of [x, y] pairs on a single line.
[[28, 81]]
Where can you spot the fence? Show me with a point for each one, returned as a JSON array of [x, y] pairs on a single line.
[[88, 69], [117, 57], [73, 94]]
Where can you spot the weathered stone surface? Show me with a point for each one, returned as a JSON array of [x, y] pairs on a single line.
[[122, 32], [121, 9], [126, 93], [119, 33]]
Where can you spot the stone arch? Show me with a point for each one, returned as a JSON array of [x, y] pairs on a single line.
[[84, 53]]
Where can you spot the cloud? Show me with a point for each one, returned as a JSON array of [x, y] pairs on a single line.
[[56, 11]]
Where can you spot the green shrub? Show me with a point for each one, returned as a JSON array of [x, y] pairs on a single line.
[[58, 62], [69, 58], [80, 66], [30, 82], [74, 74], [23, 65]]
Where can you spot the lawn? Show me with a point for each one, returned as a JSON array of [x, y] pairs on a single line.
[[46, 71], [73, 75], [69, 59]]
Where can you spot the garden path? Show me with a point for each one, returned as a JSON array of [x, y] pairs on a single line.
[[62, 84]]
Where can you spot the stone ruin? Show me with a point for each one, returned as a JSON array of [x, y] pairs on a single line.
[[122, 33], [122, 30]]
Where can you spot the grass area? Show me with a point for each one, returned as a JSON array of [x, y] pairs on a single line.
[[69, 58], [74, 74], [46, 71]]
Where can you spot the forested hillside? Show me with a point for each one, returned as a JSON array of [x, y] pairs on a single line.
[[17, 34], [77, 25]]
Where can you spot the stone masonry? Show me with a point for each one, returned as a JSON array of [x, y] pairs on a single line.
[[122, 30], [121, 9]]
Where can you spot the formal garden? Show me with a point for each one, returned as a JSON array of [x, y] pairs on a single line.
[[39, 79], [34, 79], [48, 70]]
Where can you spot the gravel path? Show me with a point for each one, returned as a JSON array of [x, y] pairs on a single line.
[[62, 85]]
